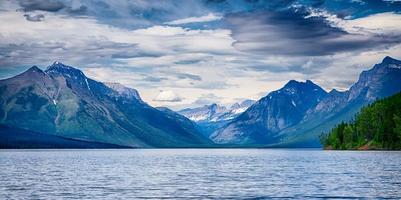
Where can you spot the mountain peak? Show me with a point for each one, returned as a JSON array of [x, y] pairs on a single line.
[[333, 91], [390, 60], [123, 90], [34, 69], [309, 82], [387, 63], [59, 65], [213, 105], [32, 72], [60, 68], [293, 84], [245, 103]]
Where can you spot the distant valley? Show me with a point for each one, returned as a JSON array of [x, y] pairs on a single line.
[[212, 117]]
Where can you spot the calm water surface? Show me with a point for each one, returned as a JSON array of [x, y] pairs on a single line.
[[198, 174]]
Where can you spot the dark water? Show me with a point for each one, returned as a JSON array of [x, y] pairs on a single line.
[[198, 173]]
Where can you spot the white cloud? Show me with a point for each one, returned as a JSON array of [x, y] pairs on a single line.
[[383, 23], [167, 96], [380, 23], [206, 18], [165, 52], [61, 33]]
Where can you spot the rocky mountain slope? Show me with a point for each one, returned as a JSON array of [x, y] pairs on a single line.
[[296, 116], [383, 80], [211, 117], [268, 116], [62, 101], [214, 112]]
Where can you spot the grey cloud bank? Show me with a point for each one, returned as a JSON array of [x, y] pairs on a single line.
[[229, 49]]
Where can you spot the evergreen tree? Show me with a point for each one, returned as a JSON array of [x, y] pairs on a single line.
[[348, 132], [397, 128], [377, 125]]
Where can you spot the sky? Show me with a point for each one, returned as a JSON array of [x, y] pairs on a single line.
[[188, 53]]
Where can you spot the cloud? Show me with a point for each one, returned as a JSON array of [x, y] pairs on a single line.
[[361, 2], [43, 5], [300, 32], [189, 76], [392, 1], [207, 99], [206, 18], [34, 18], [128, 41], [167, 96], [41, 43], [154, 79], [387, 24]]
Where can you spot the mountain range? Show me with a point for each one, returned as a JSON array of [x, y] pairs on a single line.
[[271, 114], [295, 115], [211, 117], [62, 101], [61, 107]]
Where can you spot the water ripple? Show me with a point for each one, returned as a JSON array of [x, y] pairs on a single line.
[[199, 174]]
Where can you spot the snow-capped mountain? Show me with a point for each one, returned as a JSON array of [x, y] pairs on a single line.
[[216, 113], [205, 113], [212, 117]]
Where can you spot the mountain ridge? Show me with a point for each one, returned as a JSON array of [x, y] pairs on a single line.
[[274, 112], [382, 80], [211, 117], [62, 101]]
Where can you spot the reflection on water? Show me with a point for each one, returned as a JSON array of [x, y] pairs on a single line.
[[198, 173]]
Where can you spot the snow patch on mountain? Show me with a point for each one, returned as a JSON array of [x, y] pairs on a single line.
[[216, 113]]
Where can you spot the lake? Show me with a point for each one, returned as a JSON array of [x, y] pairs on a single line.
[[199, 174]]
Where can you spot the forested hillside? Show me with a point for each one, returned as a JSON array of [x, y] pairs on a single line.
[[376, 126]]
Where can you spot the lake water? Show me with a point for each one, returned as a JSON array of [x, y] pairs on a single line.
[[198, 173]]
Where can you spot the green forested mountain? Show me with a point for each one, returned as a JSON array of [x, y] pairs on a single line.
[[376, 126]]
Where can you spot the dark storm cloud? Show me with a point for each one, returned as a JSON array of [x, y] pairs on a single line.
[[134, 13], [294, 32], [44, 5], [34, 18], [46, 52]]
